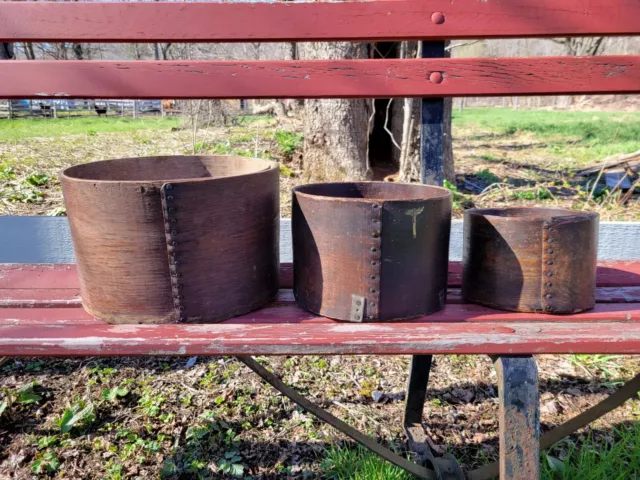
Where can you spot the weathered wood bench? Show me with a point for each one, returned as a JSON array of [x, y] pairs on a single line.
[[41, 314]]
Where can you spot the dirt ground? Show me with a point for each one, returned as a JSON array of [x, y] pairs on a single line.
[[179, 417], [520, 165]]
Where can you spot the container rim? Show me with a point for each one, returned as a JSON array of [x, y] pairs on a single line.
[[441, 192], [530, 213], [71, 173]]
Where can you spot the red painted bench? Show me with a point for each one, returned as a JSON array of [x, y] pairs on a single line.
[[41, 314], [47, 297]]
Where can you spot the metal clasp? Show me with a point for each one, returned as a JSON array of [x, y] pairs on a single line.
[[358, 308]]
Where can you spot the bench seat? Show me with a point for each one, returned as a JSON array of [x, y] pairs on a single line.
[[41, 315]]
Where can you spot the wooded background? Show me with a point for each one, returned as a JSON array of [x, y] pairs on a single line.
[[345, 138]]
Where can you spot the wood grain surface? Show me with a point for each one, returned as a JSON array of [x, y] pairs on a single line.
[[253, 22], [319, 337], [612, 274], [174, 239], [530, 259], [319, 78]]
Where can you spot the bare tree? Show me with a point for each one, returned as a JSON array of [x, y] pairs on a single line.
[[79, 51], [581, 46], [578, 46], [27, 50], [165, 48]]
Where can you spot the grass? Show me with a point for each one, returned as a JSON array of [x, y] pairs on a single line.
[[602, 365], [583, 136], [597, 461], [13, 130], [359, 464], [567, 461]]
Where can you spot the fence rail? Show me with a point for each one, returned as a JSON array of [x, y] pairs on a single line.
[[77, 108]]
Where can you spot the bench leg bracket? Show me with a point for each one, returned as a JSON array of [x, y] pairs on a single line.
[[520, 440], [417, 470]]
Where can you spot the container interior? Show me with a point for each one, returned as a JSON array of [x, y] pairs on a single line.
[[162, 169], [374, 191], [529, 213]]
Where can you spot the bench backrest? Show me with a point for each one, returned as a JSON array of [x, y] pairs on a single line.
[[432, 21]]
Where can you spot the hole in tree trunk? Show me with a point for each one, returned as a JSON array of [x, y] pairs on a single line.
[[382, 158]]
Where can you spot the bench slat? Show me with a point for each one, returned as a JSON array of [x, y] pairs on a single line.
[[43, 276], [253, 22], [283, 328], [70, 297], [285, 314], [317, 338], [319, 78]]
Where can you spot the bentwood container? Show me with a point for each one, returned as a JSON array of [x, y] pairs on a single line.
[[370, 251], [174, 239], [530, 259]]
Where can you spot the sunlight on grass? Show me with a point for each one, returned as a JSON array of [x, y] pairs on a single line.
[[583, 136], [12, 130], [588, 461], [597, 461], [359, 464]]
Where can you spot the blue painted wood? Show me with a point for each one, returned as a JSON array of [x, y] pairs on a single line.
[[47, 240], [432, 132]]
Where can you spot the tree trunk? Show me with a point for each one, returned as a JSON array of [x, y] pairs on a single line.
[[165, 47], [28, 51], [336, 132], [408, 134], [78, 51], [6, 51]]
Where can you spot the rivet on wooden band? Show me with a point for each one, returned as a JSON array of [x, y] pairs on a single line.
[[373, 295], [169, 210], [548, 267]]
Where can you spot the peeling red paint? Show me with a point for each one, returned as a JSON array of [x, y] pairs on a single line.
[[283, 328]]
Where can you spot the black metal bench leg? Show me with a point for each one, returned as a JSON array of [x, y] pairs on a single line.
[[519, 417], [445, 467], [414, 406], [417, 388]]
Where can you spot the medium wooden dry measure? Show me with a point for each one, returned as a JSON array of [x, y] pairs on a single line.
[[530, 259]]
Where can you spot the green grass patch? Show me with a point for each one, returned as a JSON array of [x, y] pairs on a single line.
[[288, 142], [12, 130], [597, 460], [249, 119], [487, 176], [584, 136], [591, 460], [359, 464]]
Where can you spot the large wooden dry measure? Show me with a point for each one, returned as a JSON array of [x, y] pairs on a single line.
[[174, 239], [530, 259], [370, 251]]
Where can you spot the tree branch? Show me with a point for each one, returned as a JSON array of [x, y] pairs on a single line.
[[386, 125], [461, 44]]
